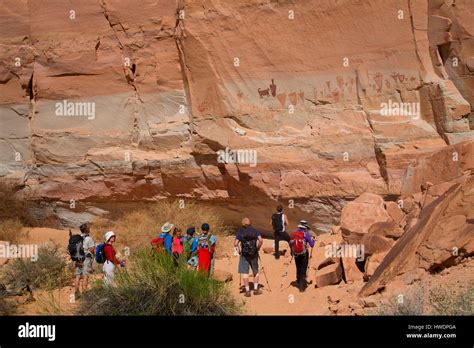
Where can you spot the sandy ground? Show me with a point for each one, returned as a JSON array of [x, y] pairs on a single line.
[[284, 298], [279, 296]]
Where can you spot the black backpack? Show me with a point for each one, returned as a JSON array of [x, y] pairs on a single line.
[[249, 245], [75, 247], [277, 222]]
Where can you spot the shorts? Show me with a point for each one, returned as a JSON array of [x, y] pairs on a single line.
[[84, 268], [244, 264]]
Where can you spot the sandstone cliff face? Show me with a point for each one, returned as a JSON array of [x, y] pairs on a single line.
[[173, 82]]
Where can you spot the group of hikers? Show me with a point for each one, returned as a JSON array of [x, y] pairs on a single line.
[[198, 250], [249, 241]]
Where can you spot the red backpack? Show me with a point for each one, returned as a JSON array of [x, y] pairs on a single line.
[[158, 243], [297, 242]]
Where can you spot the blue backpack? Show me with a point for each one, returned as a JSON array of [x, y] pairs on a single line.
[[100, 253]]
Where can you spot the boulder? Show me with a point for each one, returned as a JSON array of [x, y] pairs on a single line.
[[374, 244], [441, 238], [372, 262], [351, 271], [395, 212], [359, 215], [328, 261], [329, 275], [386, 229]]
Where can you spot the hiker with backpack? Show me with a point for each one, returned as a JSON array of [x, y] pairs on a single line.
[[165, 240], [177, 245], [81, 249], [279, 223], [248, 242], [299, 242], [206, 246], [106, 254], [190, 247]]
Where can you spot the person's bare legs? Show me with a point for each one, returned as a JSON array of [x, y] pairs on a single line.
[[246, 284], [256, 290]]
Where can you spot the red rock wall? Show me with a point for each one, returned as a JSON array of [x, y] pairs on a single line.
[[306, 95]]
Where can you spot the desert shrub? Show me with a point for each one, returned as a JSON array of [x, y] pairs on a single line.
[[136, 228], [435, 301], [412, 303], [450, 301], [11, 230], [12, 206], [7, 307], [47, 272], [152, 285]]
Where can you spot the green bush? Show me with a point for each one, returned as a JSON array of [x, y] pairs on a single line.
[[49, 271], [152, 285]]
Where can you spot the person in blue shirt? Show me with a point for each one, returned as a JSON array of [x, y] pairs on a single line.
[[166, 230], [248, 241]]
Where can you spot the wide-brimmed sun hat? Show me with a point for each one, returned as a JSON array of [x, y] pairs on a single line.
[[303, 224], [167, 227], [108, 235]]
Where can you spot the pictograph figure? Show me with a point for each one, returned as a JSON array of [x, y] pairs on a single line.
[[264, 92], [273, 89]]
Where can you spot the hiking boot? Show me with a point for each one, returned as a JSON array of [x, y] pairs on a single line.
[[247, 294], [257, 292]]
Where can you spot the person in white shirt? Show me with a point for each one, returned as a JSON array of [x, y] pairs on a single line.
[[84, 268]]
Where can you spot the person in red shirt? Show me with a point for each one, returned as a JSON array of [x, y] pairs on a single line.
[[111, 259], [206, 247]]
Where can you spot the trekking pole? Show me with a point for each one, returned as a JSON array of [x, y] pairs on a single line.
[[307, 267], [285, 274], [263, 271], [310, 257]]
